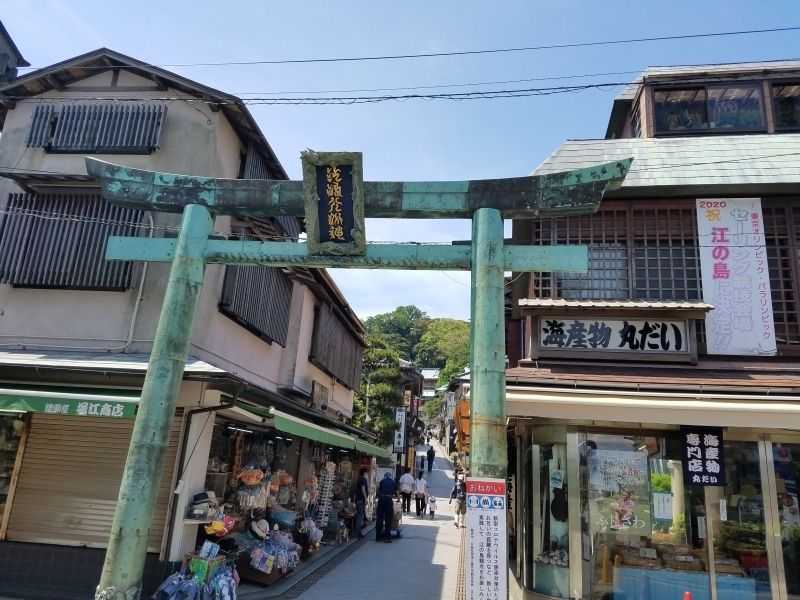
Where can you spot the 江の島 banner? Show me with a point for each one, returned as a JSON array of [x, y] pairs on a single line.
[[733, 262]]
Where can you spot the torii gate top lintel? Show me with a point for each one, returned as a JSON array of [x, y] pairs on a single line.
[[557, 194]]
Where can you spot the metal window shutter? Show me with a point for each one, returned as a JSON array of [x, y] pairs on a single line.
[[69, 481]]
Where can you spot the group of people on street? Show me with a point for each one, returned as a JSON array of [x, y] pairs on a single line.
[[406, 486], [430, 454]]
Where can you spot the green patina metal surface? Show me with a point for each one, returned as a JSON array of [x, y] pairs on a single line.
[[556, 194], [488, 453], [127, 544], [377, 256], [490, 201]]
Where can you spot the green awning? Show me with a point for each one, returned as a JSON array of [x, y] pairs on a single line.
[[296, 426], [373, 450], [80, 402]]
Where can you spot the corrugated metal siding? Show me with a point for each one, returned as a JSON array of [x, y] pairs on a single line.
[[129, 128], [59, 240], [39, 133], [334, 349], [259, 299], [70, 477]]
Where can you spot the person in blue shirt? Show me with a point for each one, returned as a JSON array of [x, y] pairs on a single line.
[[387, 490]]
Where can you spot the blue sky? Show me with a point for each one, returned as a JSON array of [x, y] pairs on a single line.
[[414, 139]]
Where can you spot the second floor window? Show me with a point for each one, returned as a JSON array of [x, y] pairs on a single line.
[[786, 103], [722, 108]]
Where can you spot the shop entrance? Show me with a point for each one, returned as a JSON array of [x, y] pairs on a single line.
[[625, 524]]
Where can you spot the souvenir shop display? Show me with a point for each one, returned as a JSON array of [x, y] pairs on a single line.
[[252, 499], [209, 574]]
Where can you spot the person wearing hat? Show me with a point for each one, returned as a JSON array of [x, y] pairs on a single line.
[[387, 490], [459, 494]]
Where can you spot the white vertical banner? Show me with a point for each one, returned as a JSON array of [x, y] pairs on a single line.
[[733, 263], [400, 433], [487, 566]]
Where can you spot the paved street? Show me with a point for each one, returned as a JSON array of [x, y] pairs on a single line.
[[422, 564]]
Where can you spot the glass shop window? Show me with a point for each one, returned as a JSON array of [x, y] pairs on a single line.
[[644, 530], [713, 107], [549, 572], [786, 102]]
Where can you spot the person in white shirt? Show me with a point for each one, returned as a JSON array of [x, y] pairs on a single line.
[[406, 487], [420, 494]]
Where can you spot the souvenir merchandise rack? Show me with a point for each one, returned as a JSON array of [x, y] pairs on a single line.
[[323, 507]]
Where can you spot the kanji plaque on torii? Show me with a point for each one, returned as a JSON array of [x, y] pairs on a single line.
[[339, 241]]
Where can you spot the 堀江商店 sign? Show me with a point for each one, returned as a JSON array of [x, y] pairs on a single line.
[[702, 455]]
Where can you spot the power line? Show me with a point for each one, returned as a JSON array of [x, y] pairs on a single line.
[[345, 100], [442, 85], [468, 52]]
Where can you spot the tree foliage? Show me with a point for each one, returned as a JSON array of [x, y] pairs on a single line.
[[439, 343], [381, 381], [432, 409], [401, 329]]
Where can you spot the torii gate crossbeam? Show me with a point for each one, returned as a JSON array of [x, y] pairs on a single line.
[[486, 202]]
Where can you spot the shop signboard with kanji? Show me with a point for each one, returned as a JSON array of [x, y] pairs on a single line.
[[702, 455], [664, 338], [400, 432], [486, 560], [333, 189], [735, 274]]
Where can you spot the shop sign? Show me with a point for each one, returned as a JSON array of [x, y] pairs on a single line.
[[619, 492], [400, 433], [81, 408], [735, 274], [486, 559], [333, 188], [598, 335], [703, 458]]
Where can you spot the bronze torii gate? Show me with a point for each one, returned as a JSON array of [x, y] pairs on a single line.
[[334, 200]]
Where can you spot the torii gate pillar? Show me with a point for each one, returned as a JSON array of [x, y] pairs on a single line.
[[488, 456]]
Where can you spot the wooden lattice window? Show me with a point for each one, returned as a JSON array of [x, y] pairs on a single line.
[[665, 254], [782, 231]]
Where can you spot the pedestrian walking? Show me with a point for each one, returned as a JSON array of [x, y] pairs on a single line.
[[422, 462], [431, 454], [387, 490], [406, 487], [361, 501], [459, 494], [431, 506], [421, 492]]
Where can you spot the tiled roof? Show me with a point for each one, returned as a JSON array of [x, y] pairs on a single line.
[[690, 166]]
